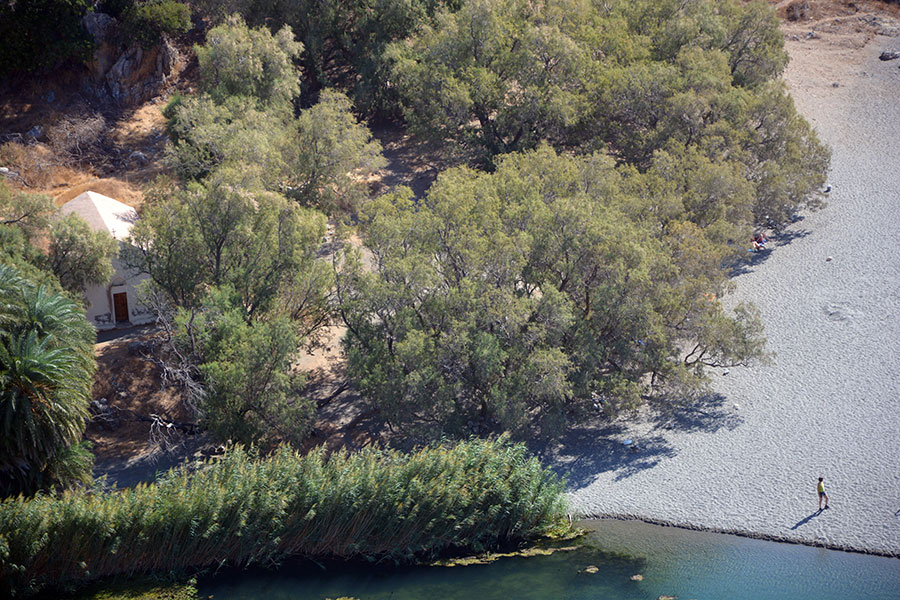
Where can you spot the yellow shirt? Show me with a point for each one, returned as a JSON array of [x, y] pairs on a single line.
[[821, 487]]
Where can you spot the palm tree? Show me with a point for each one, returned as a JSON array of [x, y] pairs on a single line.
[[46, 373]]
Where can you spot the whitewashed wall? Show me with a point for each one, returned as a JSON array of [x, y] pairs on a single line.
[[100, 311]]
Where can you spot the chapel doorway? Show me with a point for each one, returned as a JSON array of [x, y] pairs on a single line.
[[120, 306]]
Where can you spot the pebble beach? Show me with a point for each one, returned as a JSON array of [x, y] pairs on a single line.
[[828, 404]]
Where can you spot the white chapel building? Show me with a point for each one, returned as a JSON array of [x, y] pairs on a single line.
[[116, 303]]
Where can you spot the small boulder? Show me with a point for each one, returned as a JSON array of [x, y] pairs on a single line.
[[890, 54], [797, 10], [138, 157]]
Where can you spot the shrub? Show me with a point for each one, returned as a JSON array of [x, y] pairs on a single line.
[[147, 21], [239, 61], [375, 505], [73, 136], [34, 163]]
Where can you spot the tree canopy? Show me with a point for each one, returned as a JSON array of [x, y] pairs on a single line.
[[243, 290], [524, 296], [239, 61], [78, 256], [243, 119], [344, 40], [225, 231], [629, 77]]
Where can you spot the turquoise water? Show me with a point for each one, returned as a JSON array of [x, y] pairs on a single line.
[[676, 562]]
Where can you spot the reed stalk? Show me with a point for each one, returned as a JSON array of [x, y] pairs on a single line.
[[378, 505]]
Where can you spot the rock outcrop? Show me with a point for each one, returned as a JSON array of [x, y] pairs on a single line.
[[126, 74]]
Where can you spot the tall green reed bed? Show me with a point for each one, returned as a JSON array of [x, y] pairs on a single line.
[[376, 505]]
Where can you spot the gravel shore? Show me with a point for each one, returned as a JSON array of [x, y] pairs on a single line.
[[829, 404]]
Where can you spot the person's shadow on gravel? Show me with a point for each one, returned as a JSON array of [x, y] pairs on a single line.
[[806, 519]]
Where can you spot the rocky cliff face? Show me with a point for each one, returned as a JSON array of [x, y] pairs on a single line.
[[126, 74]]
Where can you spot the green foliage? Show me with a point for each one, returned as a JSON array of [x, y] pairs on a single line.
[[344, 39], [165, 243], [239, 61], [145, 22], [23, 219], [331, 156], [239, 265], [204, 135], [142, 588], [515, 299], [30, 213], [42, 34], [244, 120], [224, 231], [46, 373], [631, 77], [498, 75], [375, 505], [78, 256], [251, 395]]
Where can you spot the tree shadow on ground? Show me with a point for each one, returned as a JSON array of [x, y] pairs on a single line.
[[411, 161], [749, 263], [586, 451], [148, 465], [706, 413]]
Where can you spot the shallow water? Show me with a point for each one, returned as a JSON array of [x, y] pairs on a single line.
[[677, 562]]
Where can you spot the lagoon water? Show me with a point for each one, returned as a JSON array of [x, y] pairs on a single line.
[[681, 563]]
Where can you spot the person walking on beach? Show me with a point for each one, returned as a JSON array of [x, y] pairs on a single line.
[[821, 489]]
